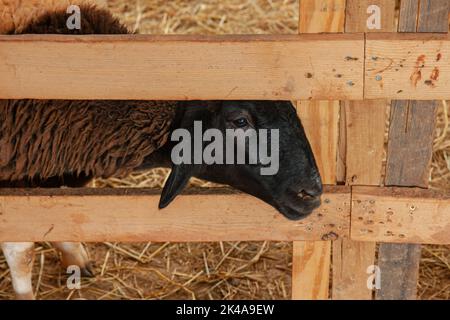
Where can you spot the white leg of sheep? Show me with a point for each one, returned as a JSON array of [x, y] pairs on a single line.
[[74, 253], [20, 257]]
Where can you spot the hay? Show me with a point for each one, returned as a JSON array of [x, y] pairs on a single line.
[[224, 270]]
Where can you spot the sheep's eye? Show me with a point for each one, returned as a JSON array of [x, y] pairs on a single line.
[[240, 123]]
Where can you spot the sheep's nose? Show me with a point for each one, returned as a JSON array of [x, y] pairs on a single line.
[[315, 189]]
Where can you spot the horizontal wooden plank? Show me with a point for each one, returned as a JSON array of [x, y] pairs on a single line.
[[408, 215], [146, 67], [407, 66], [132, 215]]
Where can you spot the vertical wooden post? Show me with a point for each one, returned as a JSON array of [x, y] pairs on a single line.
[[409, 154], [364, 127], [311, 260]]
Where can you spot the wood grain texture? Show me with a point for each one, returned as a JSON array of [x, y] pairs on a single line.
[[407, 66], [408, 8], [410, 143], [365, 124], [212, 215], [146, 67], [312, 262], [399, 264], [350, 262], [433, 16], [366, 120], [406, 215], [357, 15], [320, 119], [133, 215], [318, 16]]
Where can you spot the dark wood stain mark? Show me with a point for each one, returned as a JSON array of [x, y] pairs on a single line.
[[49, 230]]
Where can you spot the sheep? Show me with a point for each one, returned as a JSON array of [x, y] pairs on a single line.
[[53, 143]]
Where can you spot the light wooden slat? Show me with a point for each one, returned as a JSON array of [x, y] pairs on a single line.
[[400, 215], [350, 262], [168, 67], [286, 67], [363, 125], [318, 16], [132, 215], [407, 66], [312, 263], [320, 120]]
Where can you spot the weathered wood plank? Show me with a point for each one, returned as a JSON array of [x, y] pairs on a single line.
[[312, 262], [400, 215], [133, 215], [410, 142], [407, 66], [230, 67], [433, 16], [408, 8], [400, 263]]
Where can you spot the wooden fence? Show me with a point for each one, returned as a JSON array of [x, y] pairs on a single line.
[[317, 68]]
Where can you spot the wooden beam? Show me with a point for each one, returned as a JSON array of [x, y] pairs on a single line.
[[89, 214], [357, 15], [350, 262], [321, 16], [168, 67], [311, 260], [400, 215], [132, 215], [229, 67], [312, 270], [410, 143], [407, 66], [399, 264], [363, 125], [320, 120]]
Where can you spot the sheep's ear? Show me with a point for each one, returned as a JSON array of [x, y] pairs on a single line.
[[178, 179]]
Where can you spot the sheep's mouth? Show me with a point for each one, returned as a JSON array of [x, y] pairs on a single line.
[[297, 205]]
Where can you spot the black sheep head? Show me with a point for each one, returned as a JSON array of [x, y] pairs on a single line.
[[293, 185]]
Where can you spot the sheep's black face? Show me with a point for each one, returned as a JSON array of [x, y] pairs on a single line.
[[284, 175]]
